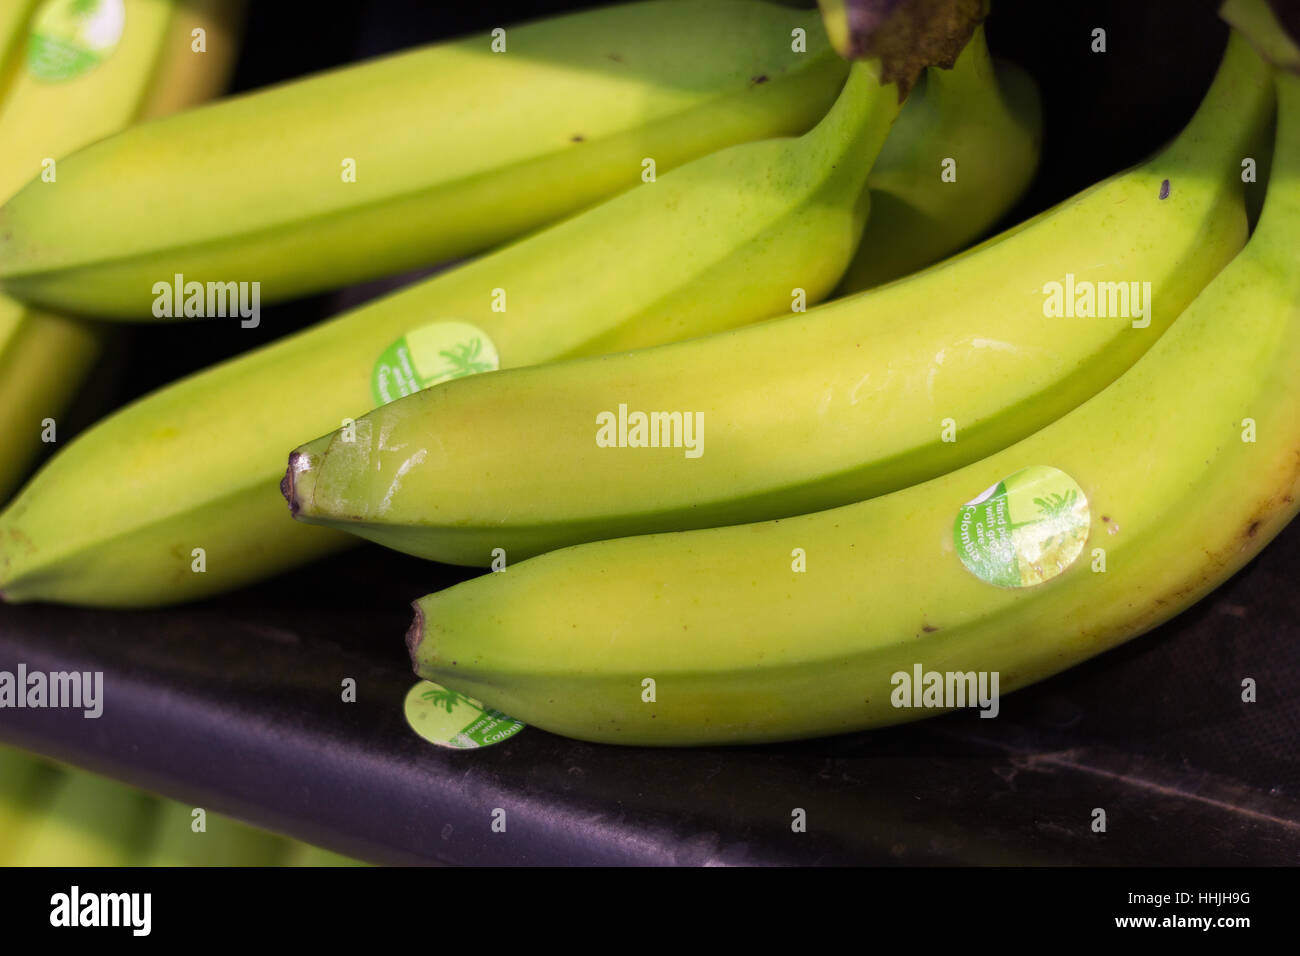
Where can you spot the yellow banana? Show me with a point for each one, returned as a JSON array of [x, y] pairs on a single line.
[[415, 158], [1093, 530], [25, 784], [14, 16], [962, 152], [304, 854], [719, 242], [222, 842], [857, 398], [89, 821], [152, 69]]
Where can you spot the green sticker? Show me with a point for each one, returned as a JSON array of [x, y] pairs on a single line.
[[450, 719], [1024, 530], [431, 354], [72, 37]]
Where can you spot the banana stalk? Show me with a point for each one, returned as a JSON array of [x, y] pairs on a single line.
[[962, 152]]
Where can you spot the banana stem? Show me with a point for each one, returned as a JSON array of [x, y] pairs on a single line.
[[1230, 116], [1280, 220], [849, 138], [973, 68]]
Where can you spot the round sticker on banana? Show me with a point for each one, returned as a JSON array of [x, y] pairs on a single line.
[[450, 719], [1024, 530], [433, 353], [72, 37]]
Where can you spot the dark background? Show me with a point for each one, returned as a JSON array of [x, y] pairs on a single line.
[[232, 703]]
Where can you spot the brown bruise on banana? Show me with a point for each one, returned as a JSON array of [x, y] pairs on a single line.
[[1270, 516]]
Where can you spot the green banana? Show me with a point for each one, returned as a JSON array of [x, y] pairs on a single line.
[[224, 842], [362, 180], [982, 118], [89, 821], [1166, 483], [719, 242], [53, 816], [44, 357], [304, 854], [25, 784], [14, 16], [857, 398], [1260, 21]]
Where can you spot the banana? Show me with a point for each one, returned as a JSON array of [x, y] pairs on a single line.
[[90, 821], [962, 152], [52, 816], [1090, 532], [719, 242], [304, 854], [224, 842], [13, 23], [183, 77], [25, 783], [415, 158], [44, 357], [858, 398], [57, 107]]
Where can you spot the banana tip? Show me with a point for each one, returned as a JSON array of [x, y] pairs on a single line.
[[286, 484], [413, 635]]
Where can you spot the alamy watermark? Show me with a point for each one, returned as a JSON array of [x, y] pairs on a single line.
[[946, 690], [626, 429], [76, 690], [74, 908], [212, 300], [1086, 299]]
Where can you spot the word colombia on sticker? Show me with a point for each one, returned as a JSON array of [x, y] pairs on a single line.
[[75, 690], [1025, 529], [450, 719]]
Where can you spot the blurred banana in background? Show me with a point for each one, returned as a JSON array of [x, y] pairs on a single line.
[[63, 93], [52, 815], [415, 158]]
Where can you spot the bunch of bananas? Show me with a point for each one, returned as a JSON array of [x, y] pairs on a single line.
[[716, 510], [59, 816]]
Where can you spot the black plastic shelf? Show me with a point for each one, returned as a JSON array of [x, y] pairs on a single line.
[[236, 706]]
